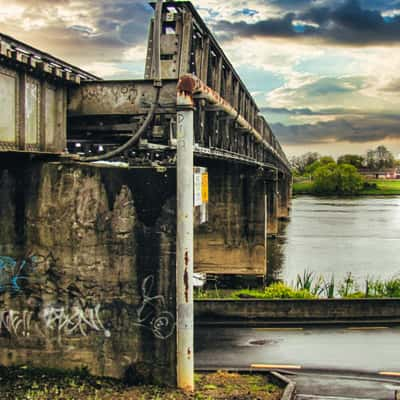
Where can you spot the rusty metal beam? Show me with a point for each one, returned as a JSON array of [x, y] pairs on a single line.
[[191, 86]]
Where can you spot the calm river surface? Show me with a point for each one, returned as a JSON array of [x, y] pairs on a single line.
[[337, 236]]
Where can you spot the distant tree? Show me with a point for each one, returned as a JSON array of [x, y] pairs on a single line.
[[300, 163], [352, 159], [325, 179], [319, 163], [335, 178], [380, 158]]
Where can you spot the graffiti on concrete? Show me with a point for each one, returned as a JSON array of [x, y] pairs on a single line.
[[16, 323], [77, 322], [152, 313], [13, 272]]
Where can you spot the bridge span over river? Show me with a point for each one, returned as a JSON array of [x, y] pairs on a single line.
[[91, 195]]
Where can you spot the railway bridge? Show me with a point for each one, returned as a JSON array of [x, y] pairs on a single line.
[[103, 184], [249, 174]]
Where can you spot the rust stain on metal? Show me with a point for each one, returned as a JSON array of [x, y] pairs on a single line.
[[186, 282], [186, 85], [186, 258]]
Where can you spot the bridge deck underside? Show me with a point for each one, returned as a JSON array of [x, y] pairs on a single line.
[[103, 115]]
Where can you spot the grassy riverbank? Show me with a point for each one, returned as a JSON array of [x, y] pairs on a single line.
[[311, 286], [384, 187], [23, 383]]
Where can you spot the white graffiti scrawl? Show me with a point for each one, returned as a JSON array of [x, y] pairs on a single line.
[[160, 322], [78, 321], [16, 323]]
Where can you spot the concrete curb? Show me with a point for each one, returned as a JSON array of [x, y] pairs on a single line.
[[290, 390], [297, 323], [256, 312]]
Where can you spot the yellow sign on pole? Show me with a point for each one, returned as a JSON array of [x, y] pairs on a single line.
[[204, 188]]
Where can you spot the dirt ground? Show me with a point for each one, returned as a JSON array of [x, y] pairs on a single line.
[[24, 383]]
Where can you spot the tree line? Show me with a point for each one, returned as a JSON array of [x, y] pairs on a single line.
[[377, 159], [341, 176]]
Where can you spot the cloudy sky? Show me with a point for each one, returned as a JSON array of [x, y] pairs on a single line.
[[325, 73]]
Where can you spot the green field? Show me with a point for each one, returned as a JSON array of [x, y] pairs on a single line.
[[385, 187], [303, 187]]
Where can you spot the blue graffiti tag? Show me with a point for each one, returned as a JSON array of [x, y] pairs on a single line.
[[12, 272]]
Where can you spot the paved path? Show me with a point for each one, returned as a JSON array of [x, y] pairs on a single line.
[[342, 387]]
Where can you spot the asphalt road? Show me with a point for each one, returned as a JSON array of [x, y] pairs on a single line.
[[326, 363]]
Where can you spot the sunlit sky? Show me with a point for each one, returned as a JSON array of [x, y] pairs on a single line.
[[326, 74]]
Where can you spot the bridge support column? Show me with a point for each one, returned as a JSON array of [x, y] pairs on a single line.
[[257, 220], [272, 192], [233, 241], [284, 187]]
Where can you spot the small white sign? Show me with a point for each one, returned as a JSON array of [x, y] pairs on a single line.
[[197, 189]]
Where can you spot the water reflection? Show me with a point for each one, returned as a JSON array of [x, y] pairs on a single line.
[[337, 236]]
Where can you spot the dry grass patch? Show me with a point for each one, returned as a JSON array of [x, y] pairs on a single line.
[[24, 383]]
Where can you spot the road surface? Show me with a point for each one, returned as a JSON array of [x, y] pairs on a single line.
[[329, 363]]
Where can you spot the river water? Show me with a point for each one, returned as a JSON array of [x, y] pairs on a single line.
[[337, 236]]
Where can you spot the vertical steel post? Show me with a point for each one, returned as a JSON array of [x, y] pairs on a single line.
[[184, 245]]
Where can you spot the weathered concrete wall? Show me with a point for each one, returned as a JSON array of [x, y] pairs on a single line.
[[234, 239], [87, 268], [251, 311]]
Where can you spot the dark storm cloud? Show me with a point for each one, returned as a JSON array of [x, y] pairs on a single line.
[[305, 111], [352, 129], [278, 27], [271, 27], [344, 23]]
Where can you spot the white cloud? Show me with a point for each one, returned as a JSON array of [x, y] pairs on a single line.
[[274, 55], [391, 13], [106, 69], [135, 54], [10, 11]]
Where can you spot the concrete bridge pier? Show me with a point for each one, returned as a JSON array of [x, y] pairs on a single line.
[[233, 240], [272, 193], [284, 189]]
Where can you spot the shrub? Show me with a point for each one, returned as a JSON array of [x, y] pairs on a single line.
[[392, 288], [337, 179], [274, 291]]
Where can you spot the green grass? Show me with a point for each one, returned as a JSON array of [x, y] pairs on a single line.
[[276, 290], [385, 187], [303, 187], [310, 286]]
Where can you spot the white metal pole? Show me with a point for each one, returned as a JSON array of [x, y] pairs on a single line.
[[184, 245]]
